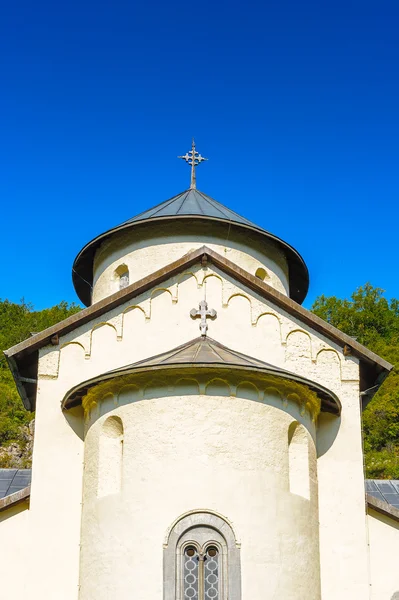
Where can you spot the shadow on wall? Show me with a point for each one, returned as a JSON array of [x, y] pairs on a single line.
[[75, 419], [327, 430], [395, 596]]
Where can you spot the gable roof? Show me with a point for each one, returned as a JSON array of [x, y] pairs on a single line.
[[204, 352], [22, 358], [190, 204]]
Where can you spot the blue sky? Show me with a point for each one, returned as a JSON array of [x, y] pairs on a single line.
[[294, 103]]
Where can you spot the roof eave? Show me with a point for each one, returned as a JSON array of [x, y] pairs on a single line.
[[382, 507], [21, 352], [329, 400], [83, 278]]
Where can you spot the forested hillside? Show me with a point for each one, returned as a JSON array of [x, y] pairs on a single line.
[[18, 322], [368, 316], [374, 321]]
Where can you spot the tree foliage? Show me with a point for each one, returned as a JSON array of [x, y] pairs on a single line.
[[17, 323], [373, 321]]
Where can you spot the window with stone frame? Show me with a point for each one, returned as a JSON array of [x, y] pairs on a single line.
[[201, 562]]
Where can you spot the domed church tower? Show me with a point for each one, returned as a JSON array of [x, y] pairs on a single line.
[[198, 432]]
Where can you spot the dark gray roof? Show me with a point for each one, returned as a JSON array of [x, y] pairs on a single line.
[[14, 480], [386, 490], [202, 350], [190, 204], [205, 352]]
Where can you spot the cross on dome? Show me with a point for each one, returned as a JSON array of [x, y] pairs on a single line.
[[193, 158]]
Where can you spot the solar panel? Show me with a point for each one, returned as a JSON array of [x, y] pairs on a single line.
[[14, 480], [384, 489]]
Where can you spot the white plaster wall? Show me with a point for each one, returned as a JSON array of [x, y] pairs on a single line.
[[384, 553], [185, 452], [56, 497], [146, 252], [17, 548], [158, 321], [41, 545], [343, 535]]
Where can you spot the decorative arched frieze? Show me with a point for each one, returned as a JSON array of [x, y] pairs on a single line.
[[213, 286], [151, 390], [98, 329], [236, 295], [63, 346], [254, 387], [189, 384], [298, 346], [329, 356], [72, 352], [248, 390], [274, 321], [129, 392], [158, 299], [159, 291], [186, 276], [218, 387], [129, 316]]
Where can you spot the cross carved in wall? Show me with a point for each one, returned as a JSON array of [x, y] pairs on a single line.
[[203, 313]]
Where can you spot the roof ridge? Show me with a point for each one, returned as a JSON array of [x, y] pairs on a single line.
[[207, 197], [157, 206], [195, 192]]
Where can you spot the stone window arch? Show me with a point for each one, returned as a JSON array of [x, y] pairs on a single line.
[[201, 559]]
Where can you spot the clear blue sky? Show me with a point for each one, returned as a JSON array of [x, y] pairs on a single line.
[[296, 104]]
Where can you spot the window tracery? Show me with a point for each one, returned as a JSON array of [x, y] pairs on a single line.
[[201, 560], [201, 572]]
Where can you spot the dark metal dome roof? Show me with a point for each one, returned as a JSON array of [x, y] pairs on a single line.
[[188, 205], [191, 202]]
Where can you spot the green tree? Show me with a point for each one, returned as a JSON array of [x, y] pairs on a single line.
[[17, 323], [373, 321]]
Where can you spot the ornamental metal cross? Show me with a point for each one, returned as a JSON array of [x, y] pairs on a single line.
[[203, 313], [193, 158]]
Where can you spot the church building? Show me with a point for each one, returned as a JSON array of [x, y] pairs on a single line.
[[198, 432]]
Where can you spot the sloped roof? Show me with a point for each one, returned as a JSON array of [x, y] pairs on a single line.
[[204, 352], [190, 204], [22, 358]]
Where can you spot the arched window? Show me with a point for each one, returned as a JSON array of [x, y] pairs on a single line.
[[298, 457], [201, 560], [122, 275], [261, 273], [110, 457]]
